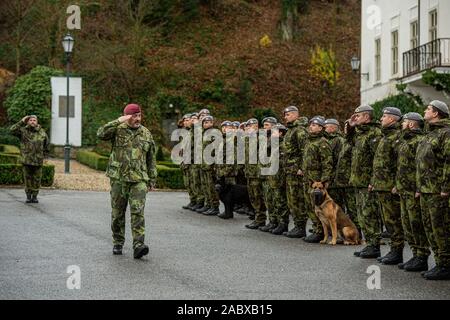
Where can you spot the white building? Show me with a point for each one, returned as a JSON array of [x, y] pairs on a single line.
[[400, 39]]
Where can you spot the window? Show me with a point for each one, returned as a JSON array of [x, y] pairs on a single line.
[[378, 60], [433, 25], [394, 42], [414, 34]]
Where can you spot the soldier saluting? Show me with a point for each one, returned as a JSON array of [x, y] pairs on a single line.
[[132, 172], [34, 148]]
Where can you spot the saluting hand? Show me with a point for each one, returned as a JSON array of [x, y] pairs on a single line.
[[25, 119], [123, 119]]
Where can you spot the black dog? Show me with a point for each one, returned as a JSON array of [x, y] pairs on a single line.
[[231, 195]]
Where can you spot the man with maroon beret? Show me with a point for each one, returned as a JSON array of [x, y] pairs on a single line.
[[132, 172]]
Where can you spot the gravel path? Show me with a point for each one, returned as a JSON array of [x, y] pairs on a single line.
[[81, 177]]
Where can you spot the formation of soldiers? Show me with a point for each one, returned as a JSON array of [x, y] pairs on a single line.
[[394, 174]]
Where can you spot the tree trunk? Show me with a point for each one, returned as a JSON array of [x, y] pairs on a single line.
[[289, 20]]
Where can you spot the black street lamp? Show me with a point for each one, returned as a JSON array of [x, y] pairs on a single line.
[[356, 63], [68, 47]]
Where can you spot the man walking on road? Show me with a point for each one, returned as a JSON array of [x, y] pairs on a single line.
[[132, 172]]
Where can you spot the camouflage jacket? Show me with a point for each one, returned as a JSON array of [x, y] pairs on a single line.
[[251, 170], [133, 153], [433, 159], [278, 180], [317, 162], [385, 159], [206, 143], [365, 140], [34, 143], [344, 165], [406, 162], [224, 169], [294, 144], [336, 141]]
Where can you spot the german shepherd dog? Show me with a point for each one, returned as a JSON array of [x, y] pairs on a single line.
[[333, 217]]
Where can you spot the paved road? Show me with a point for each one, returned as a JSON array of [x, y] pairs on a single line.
[[191, 257]]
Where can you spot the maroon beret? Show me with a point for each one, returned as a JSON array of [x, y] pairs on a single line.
[[132, 109]]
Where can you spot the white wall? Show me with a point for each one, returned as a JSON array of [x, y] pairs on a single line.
[[379, 19], [58, 126]]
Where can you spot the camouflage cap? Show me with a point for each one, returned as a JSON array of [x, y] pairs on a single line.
[[32, 116], [332, 121], [270, 120], [226, 124], [290, 109], [204, 111], [317, 120], [208, 118], [442, 106], [392, 111], [413, 116], [364, 108], [252, 121]]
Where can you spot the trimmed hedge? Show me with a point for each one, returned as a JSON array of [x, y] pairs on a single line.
[[92, 160], [7, 158], [9, 149], [169, 178], [7, 138], [12, 174]]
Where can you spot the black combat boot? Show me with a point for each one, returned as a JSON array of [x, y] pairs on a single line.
[[370, 252], [438, 273], [188, 206], [393, 258], [282, 228], [117, 249], [358, 253], [203, 209], [224, 215], [196, 207], [34, 199], [416, 264], [255, 225], [296, 233], [214, 211], [28, 198], [269, 227], [314, 238], [140, 251]]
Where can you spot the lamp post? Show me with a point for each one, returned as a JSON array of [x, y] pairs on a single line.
[[356, 64], [67, 43]]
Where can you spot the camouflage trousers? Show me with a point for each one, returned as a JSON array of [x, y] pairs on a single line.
[[32, 176], [277, 185], [209, 190], [412, 224], [268, 200], [296, 200], [347, 201], [255, 193], [310, 209], [368, 216], [123, 193], [195, 173], [390, 209], [185, 169], [436, 222]]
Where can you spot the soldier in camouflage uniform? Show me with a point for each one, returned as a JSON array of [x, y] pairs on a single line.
[[412, 223], [336, 140], [317, 166], [254, 183], [342, 178], [34, 148], [185, 167], [293, 144], [383, 183], [225, 170], [277, 184], [208, 175], [365, 134], [132, 172], [268, 124], [195, 169], [433, 186]]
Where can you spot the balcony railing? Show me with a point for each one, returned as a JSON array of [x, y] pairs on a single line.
[[430, 55]]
